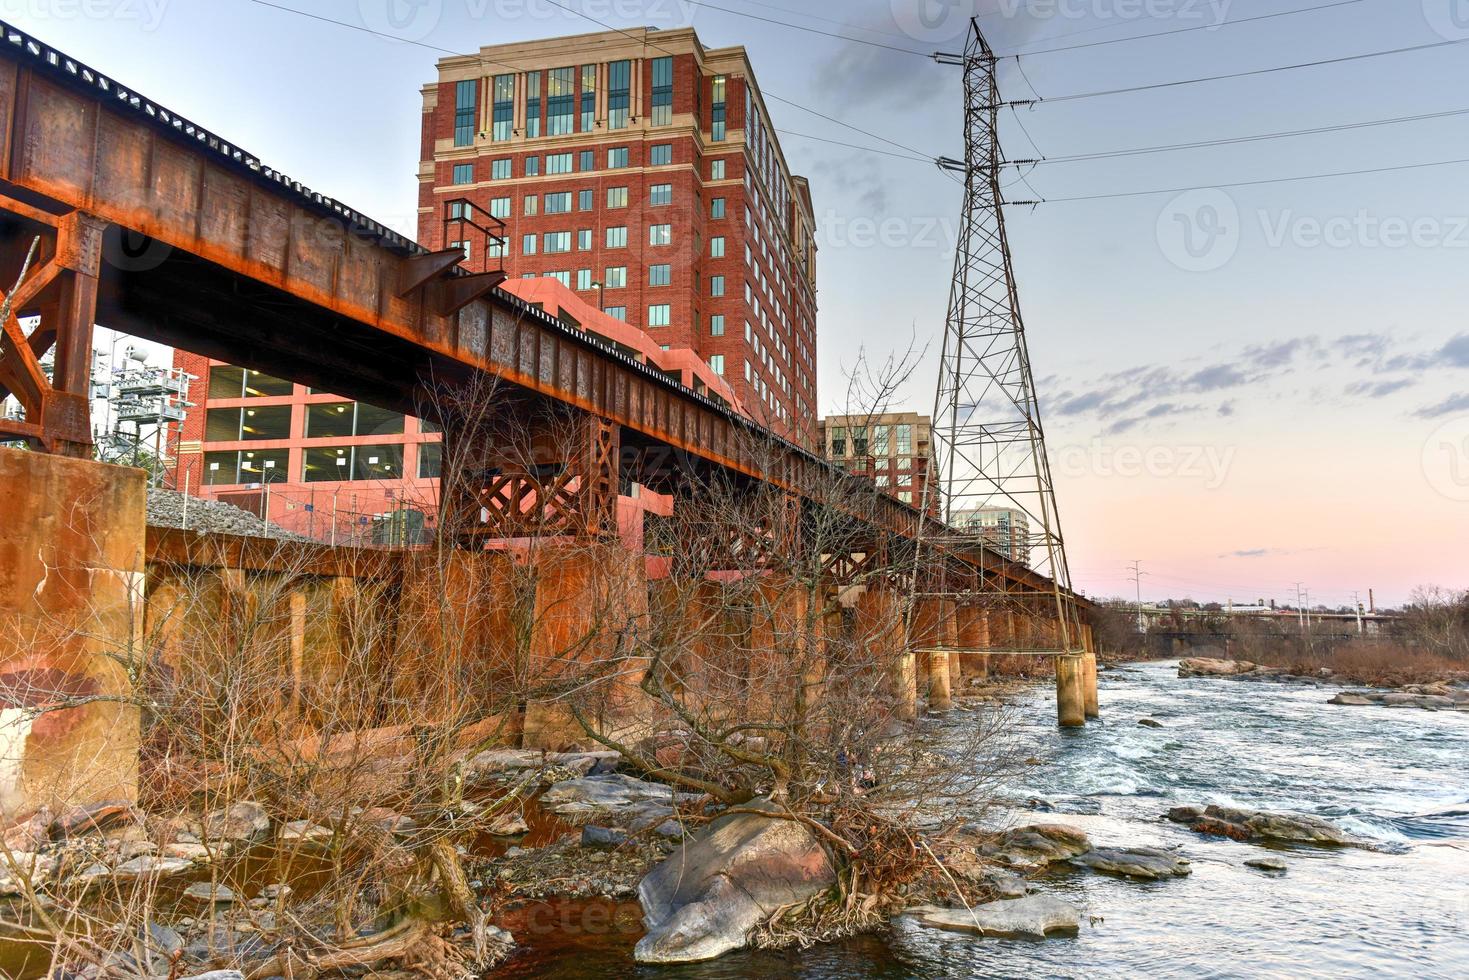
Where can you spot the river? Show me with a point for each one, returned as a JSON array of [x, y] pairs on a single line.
[[1399, 776]]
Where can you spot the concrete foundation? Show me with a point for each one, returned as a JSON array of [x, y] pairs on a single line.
[[940, 696], [878, 626], [71, 583], [1089, 689], [1070, 692]]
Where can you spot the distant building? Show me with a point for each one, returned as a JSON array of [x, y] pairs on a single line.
[[1005, 529], [894, 450]]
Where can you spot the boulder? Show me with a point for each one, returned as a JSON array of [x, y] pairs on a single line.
[[1149, 863], [209, 893], [610, 790], [1030, 917], [1263, 825], [1351, 698], [501, 762], [305, 832], [1149, 723], [509, 825], [243, 822], [602, 837], [149, 866], [703, 899], [1206, 667], [1266, 864], [1035, 846]]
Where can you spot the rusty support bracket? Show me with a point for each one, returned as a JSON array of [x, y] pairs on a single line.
[[417, 270], [451, 296]]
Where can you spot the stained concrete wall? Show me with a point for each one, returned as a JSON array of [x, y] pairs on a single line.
[[71, 563]]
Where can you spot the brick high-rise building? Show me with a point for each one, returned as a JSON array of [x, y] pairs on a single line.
[[641, 169], [893, 449]]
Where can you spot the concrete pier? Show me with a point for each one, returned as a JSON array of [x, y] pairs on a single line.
[[1089, 688], [71, 551], [940, 696], [1070, 691]]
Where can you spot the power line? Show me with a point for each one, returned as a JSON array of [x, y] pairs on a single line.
[[1233, 140], [1242, 74], [856, 146], [829, 20], [810, 30], [1242, 183], [1184, 30]]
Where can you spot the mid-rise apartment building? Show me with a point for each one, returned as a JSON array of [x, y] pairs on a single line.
[[893, 449], [641, 170], [1005, 529]]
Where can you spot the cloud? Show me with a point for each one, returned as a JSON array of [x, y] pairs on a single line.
[[1218, 376], [1248, 553], [1378, 389], [1226, 409], [1456, 352], [1450, 405]]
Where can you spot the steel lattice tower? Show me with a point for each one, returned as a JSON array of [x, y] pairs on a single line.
[[989, 448]]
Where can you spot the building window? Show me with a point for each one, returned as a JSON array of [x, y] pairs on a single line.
[[716, 208], [583, 278], [500, 207], [558, 163], [531, 203], [466, 99], [660, 194], [716, 285], [617, 313], [560, 102], [465, 247], [528, 245], [660, 234], [903, 440], [559, 203], [617, 237], [584, 240], [617, 197], [463, 173], [615, 277], [716, 364], [588, 99], [662, 91], [619, 85], [716, 247], [906, 496], [588, 160], [533, 104], [500, 169], [617, 158], [556, 242], [564, 278], [430, 460], [716, 325], [532, 166], [658, 315], [660, 275], [661, 155], [717, 97], [716, 169], [504, 109], [228, 381], [584, 199]]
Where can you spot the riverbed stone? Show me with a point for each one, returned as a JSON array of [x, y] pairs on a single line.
[[1149, 723], [1147, 863], [1263, 825], [305, 832], [1030, 917], [243, 822], [1266, 864], [1351, 698], [610, 790], [509, 825], [1035, 846], [1209, 667], [703, 899], [209, 893]]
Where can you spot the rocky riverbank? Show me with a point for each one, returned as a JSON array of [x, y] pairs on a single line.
[[1447, 694]]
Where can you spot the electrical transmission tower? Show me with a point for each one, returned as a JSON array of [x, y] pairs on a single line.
[[989, 450]]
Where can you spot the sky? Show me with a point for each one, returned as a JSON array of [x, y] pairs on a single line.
[[1246, 382]]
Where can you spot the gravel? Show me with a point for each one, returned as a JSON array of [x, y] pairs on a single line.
[[166, 509]]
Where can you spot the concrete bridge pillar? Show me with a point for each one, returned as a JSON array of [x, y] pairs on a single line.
[[973, 627], [934, 636], [878, 625], [940, 697], [71, 547], [1070, 691], [1089, 685]]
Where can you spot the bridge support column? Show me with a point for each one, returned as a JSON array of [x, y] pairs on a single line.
[[1070, 696], [70, 609], [972, 626], [878, 624], [940, 696], [1089, 689]]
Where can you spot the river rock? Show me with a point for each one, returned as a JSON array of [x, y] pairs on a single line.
[[1065, 804], [1206, 667], [1148, 863], [1262, 825], [243, 822], [509, 825], [305, 832], [149, 866], [1351, 698], [1035, 846], [1030, 917], [602, 837], [209, 893], [218, 975], [610, 790], [1149, 723], [701, 901], [1266, 864], [493, 763]]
